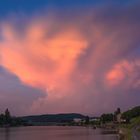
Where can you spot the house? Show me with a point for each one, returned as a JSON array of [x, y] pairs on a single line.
[[77, 120], [94, 119]]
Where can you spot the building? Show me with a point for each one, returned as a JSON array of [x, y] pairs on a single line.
[[117, 116], [77, 120]]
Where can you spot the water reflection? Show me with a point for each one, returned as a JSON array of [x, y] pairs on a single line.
[[7, 133], [53, 133]]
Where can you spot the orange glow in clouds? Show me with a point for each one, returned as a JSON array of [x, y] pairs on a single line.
[[115, 76], [70, 62], [40, 61]]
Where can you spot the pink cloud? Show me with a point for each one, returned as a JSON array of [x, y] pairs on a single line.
[[73, 62], [125, 73]]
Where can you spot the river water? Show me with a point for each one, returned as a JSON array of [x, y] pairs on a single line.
[[53, 133]]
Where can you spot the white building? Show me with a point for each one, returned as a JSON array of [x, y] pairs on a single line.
[[77, 120]]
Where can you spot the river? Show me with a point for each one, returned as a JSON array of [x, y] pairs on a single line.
[[53, 133]]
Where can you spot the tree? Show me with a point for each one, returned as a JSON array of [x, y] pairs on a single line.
[[87, 120], [106, 118], [7, 116], [2, 119], [132, 113]]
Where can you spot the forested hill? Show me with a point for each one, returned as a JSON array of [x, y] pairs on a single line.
[[53, 118], [132, 113]]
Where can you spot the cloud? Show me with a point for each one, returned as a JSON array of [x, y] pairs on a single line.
[[79, 61], [125, 73], [16, 96]]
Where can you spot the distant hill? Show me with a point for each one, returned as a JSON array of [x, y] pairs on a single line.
[[52, 118]]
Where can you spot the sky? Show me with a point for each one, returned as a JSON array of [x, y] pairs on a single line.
[[67, 56]]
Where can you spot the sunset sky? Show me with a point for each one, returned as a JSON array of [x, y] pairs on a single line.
[[64, 56]]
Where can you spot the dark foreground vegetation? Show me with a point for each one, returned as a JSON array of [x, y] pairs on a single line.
[[7, 120]]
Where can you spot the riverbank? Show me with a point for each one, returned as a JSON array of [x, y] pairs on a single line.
[[125, 134], [126, 130]]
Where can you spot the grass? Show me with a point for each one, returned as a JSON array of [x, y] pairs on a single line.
[[125, 133], [126, 129]]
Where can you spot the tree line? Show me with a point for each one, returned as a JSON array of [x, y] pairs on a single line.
[[127, 115], [7, 120]]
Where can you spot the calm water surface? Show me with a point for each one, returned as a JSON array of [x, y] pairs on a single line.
[[53, 133]]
